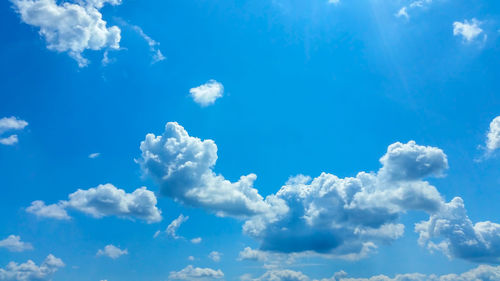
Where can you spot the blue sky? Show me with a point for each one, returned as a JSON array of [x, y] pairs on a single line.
[[100, 98]]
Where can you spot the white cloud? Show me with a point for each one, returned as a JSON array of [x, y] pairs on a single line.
[[112, 252], [153, 45], [196, 273], [104, 200], [71, 27], [451, 231], [493, 136], [420, 4], [335, 2], [469, 30], [215, 256], [53, 211], [348, 217], [29, 271], [94, 155], [252, 255], [174, 226], [11, 124], [196, 240], [191, 258], [13, 243], [482, 272], [11, 140], [182, 165], [207, 93]]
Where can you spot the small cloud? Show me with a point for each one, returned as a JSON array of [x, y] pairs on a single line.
[[11, 124], [94, 155], [112, 252], [13, 243], [215, 256], [154, 46], [469, 30], [29, 271], [196, 273], [335, 2], [53, 211], [403, 12], [11, 140], [191, 258], [196, 240], [207, 93], [173, 227]]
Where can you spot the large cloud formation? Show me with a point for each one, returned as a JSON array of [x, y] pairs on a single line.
[[101, 201], [183, 167], [29, 271], [329, 216], [482, 272], [71, 27]]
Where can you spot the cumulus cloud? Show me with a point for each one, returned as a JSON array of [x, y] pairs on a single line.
[[215, 256], [451, 231], [103, 200], [252, 255], [112, 252], [11, 124], [328, 216], [29, 271], [196, 273], [482, 272], [207, 93], [13, 243], [183, 167], [53, 211], [469, 30], [493, 136], [348, 217], [71, 27]]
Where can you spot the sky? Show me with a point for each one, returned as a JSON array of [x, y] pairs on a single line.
[[268, 140]]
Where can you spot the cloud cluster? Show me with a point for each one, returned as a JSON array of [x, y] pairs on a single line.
[[348, 217], [29, 271], [196, 273], [207, 93], [71, 27], [103, 200], [482, 272], [469, 30], [13, 243], [183, 167], [493, 136], [329, 216], [11, 124], [112, 252]]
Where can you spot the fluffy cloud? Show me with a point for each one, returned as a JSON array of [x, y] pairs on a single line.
[[182, 165], [207, 93], [458, 237], [482, 272], [196, 240], [71, 27], [112, 252], [196, 273], [94, 155], [29, 271], [493, 136], [104, 200], [13, 243], [53, 211], [252, 255], [348, 217], [215, 256], [11, 124], [469, 30]]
